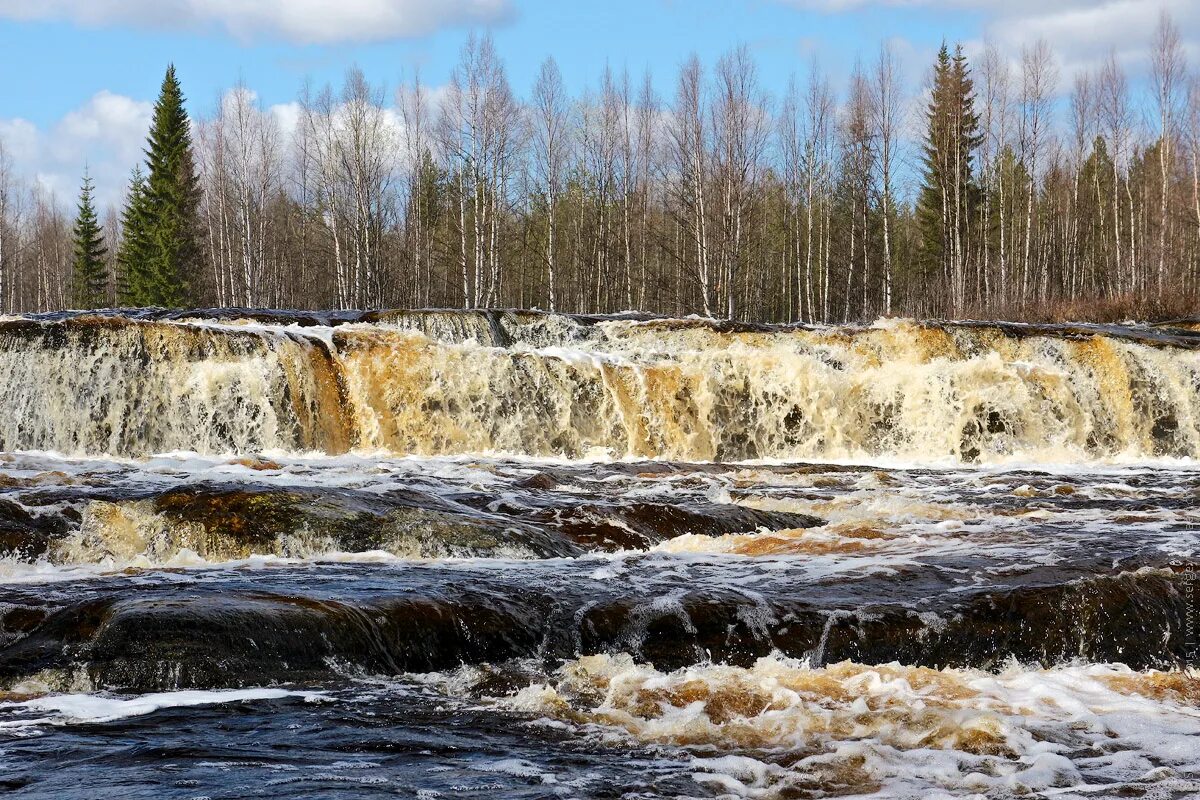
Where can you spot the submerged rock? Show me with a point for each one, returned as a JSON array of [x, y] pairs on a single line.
[[27, 536], [164, 638], [639, 525], [220, 523]]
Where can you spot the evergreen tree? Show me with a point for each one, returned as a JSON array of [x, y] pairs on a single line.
[[173, 255], [134, 282], [89, 268], [948, 192], [1095, 179]]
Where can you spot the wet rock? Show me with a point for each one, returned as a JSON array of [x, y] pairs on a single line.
[[539, 480], [224, 523], [18, 620], [180, 641], [1137, 619], [26, 536], [639, 526], [164, 637]]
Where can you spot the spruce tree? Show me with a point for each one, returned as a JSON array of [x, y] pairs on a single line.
[[134, 283], [90, 269], [930, 210], [949, 192], [172, 260]]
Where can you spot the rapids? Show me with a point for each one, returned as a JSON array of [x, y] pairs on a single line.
[[512, 554], [523, 383]]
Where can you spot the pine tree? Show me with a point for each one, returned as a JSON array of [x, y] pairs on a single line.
[[89, 268], [173, 253], [134, 283]]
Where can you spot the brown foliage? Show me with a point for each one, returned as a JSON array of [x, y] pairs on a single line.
[[1122, 308]]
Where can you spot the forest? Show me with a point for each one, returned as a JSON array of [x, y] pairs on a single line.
[[998, 188]]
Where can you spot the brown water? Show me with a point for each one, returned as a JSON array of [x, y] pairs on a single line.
[[449, 554]]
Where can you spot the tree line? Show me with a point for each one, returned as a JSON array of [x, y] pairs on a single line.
[[999, 190]]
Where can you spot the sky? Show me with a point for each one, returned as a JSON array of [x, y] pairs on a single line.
[[78, 77]]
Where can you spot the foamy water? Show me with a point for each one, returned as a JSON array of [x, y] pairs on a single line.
[[543, 385], [789, 728], [503, 554]]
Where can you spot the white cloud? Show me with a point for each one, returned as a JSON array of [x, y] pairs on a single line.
[[105, 135], [1081, 32], [287, 118], [1005, 6], [300, 21]]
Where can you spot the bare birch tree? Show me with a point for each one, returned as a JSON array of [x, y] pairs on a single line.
[[740, 118], [690, 142], [551, 115], [1038, 80], [1168, 71], [886, 106]]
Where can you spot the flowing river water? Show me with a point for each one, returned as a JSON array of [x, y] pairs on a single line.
[[519, 555]]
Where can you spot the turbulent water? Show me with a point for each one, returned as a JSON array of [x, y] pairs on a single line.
[[510, 554]]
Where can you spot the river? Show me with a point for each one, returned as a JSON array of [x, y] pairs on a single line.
[[521, 555]]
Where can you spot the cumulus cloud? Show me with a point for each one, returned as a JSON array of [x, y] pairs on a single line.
[[1005, 6], [299, 21], [105, 135], [1081, 32]]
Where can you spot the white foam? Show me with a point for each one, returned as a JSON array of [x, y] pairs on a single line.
[[518, 767], [783, 726], [74, 709], [898, 390]]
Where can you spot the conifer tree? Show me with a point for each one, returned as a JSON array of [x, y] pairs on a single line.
[[949, 191], [134, 283], [89, 268], [173, 255]]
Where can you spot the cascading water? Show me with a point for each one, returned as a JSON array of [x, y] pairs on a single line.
[[437, 383], [94, 385], [515, 554]]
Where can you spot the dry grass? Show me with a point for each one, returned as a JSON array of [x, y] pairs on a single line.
[[1112, 309]]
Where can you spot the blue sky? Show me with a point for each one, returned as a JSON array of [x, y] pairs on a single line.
[[75, 61], [77, 76]]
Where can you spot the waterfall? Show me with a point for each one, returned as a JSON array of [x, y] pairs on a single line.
[[524, 383]]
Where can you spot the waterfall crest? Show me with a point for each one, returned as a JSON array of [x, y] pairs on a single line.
[[526, 383]]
